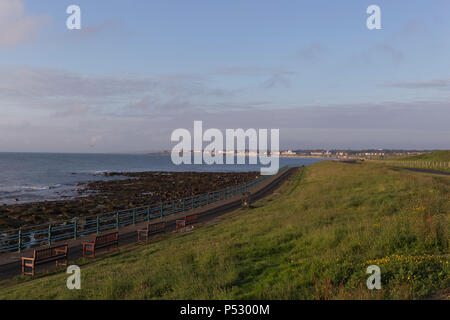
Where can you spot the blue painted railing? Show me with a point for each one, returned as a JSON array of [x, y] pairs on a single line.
[[48, 233]]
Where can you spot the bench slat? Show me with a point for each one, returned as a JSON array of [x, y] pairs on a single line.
[[187, 220], [45, 255], [152, 228], [103, 241]]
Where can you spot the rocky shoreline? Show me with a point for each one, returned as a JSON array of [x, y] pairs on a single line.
[[134, 190]]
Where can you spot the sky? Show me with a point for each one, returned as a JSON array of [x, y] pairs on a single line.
[[137, 70]]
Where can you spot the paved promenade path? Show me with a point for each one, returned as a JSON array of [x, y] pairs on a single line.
[[10, 263]]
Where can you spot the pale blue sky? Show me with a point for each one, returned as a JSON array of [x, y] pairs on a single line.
[[139, 69]]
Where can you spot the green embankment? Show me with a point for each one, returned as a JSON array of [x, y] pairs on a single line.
[[443, 155], [312, 239], [437, 161]]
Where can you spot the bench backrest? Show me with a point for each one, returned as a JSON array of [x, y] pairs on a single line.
[[190, 218], [46, 253], [156, 226], [107, 238]]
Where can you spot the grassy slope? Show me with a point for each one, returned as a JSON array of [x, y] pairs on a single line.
[[431, 156], [312, 239]]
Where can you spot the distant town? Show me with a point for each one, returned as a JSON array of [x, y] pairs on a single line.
[[322, 153], [352, 154]]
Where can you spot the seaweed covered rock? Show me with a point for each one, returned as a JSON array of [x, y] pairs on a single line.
[[134, 189]]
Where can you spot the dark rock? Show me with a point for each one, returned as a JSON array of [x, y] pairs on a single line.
[[136, 190]]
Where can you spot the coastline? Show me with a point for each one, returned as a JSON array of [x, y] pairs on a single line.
[[135, 189]]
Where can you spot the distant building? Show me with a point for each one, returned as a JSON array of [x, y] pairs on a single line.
[[320, 153]]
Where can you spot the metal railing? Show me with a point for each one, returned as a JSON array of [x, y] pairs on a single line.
[[45, 234]]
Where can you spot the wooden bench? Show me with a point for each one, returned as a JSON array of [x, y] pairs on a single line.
[[45, 255], [103, 241], [152, 228], [187, 220]]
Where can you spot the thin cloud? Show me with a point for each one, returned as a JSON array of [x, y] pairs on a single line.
[[418, 115], [312, 52], [441, 84], [276, 80], [93, 32], [372, 54], [406, 125], [47, 88], [76, 110], [274, 77], [26, 82], [390, 51], [17, 26], [252, 71], [72, 94]]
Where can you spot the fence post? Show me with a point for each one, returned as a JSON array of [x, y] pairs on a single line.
[[98, 224], [148, 214], [173, 206], [134, 217], [75, 229], [49, 234], [184, 204], [117, 220], [20, 239], [161, 210]]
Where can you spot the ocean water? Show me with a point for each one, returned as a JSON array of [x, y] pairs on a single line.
[[27, 177]]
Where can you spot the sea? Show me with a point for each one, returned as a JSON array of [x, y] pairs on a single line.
[[30, 177]]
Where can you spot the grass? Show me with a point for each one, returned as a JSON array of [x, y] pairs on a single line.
[[443, 155], [437, 160], [312, 239]]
